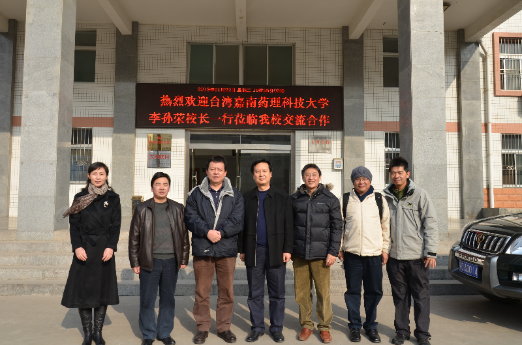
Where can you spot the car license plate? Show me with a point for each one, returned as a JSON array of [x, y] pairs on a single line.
[[469, 269]]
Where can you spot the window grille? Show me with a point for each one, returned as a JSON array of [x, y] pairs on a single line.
[[392, 149], [81, 154], [511, 160], [510, 50], [243, 64]]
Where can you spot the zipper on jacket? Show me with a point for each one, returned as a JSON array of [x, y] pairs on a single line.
[[257, 216]]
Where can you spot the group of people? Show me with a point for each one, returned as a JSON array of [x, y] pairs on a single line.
[[268, 228]]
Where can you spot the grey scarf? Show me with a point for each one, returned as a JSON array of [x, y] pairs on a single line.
[[84, 201]]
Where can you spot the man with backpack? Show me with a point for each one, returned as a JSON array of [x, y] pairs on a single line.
[[364, 250]]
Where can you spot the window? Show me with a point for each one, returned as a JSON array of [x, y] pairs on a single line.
[[241, 64], [392, 149], [511, 160], [390, 62], [85, 56], [81, 154], [507, 63]]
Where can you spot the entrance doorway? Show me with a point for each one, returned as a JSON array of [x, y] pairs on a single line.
[[240, 151]]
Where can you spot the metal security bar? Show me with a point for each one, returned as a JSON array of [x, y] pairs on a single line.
[[392, 149], [510, 63], [484, 241], [81, 154], [511, 160]]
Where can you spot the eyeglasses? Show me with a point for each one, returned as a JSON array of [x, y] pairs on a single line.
[[311, 175], [362, 179]]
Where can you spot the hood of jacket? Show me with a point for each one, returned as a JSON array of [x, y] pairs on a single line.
[[410, 189], [328, 187]]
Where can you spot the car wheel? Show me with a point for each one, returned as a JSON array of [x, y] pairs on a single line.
[[497, 299]]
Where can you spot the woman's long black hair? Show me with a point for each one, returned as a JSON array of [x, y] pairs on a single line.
[[95, 166]]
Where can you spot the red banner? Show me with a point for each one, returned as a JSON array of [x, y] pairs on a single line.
[[239, 107]]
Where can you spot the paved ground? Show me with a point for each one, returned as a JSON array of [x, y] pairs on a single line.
[[455, 320]]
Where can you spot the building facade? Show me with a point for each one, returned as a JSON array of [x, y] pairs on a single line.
[[109, 65]]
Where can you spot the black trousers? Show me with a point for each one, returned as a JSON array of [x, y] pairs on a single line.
[[409, 278], [275, 278], [359, 270]]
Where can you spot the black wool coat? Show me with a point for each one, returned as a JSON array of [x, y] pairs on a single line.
[[93, 282], [279, 226], [318, 225]]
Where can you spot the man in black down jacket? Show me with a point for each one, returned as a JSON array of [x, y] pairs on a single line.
[[317, 239], [214, 215], [266, 245]]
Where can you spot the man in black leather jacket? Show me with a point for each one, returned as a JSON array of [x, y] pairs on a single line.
[[158, 248]]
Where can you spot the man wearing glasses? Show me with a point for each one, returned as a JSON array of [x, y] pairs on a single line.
[[214, 215], [317, 238], [366, 242]]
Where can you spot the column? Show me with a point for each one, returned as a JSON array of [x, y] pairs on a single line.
[[353, 88], [47, 108], [422, 109], [123, 140], [470, 127], [7, 74]]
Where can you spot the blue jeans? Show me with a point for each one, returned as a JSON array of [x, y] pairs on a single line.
[[164, 275], [275, 278], [360, 270]]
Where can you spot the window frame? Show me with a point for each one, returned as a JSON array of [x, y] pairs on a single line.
[[514, 152], [81, 146], [394, 151], [87, 48], [241, 59], [497, 36], [388, 54]]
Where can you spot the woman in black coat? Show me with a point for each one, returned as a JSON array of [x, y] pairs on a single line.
[[95, 219]]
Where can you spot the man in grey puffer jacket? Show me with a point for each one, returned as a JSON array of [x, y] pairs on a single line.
[[413, 251]]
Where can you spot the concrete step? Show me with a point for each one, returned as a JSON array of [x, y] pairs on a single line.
[[64, 235], [48, 259], [58, 247], [125, 273], [7, 235], [187, 287]]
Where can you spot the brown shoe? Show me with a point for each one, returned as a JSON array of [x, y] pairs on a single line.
[[326, 337], [200, 337], [305, 334]]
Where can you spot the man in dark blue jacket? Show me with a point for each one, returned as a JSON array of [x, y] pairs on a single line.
[[214, 214], [318, 230]]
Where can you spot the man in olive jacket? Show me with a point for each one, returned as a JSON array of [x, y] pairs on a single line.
[[318, 230], [265, 245], [158, 248], [413, 251]]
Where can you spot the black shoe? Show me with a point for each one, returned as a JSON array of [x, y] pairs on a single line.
[[227, 336], [253, 336], [167, 341], [373, 335], [278, 336], [355, 335], [99, 319], [400, 338], [200, 337], [86, 317], [425, 341], [147, 342]]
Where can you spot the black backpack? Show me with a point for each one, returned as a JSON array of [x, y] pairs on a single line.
[[378, 200]]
